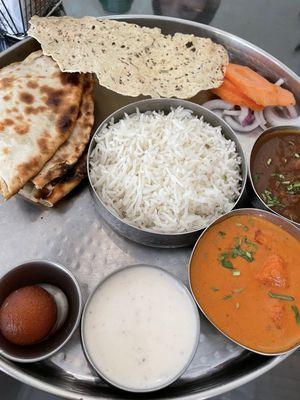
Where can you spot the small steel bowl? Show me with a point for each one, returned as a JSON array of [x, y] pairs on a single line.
[[100, 373], [37, 272], [256, 199], [277, 220], [150, 237]]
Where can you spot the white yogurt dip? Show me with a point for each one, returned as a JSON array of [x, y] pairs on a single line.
[[140, 328]]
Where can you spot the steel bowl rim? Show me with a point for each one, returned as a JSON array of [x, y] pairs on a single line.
[[195, 311], [240, 211], [104, 123], [267, 132], [56, 265]]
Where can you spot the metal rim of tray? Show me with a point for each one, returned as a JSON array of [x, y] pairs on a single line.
[[10, 369], [29, 380]]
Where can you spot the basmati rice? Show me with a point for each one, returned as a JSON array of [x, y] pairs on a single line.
[[165, 173]]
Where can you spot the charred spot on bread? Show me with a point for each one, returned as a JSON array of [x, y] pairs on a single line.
[[26, 98]]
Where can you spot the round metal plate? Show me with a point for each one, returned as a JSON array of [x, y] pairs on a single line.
[[74, 235]]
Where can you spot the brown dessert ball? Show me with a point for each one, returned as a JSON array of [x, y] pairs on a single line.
[[27, 315]]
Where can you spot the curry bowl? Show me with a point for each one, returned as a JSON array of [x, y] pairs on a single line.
[[274, 172], [147, 236], [244, 275], [60, 283]]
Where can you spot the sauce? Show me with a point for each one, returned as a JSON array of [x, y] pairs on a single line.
[[140, 328], [245, 275], [275, 170]]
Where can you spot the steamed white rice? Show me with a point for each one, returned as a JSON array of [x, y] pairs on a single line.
[[166, 173]]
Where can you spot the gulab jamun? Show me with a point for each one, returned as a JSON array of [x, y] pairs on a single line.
[[27, 315]]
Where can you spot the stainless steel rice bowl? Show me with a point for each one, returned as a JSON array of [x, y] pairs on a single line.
[[149, 237]]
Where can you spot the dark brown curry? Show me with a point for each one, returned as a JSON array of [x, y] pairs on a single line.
[[275, 171]]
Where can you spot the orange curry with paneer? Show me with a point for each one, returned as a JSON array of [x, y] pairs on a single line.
[[245, 275]]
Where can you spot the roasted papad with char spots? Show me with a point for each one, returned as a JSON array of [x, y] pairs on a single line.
[[132, 60]]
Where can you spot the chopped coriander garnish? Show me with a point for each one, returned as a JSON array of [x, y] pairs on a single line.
[[244, 227], [227, 297], [269, 161], [294, 187], [239, 290], [296, 313], [256, 178], [250, 221], [278, 176], [251, 245], [280, 296], [270, 199], [221, 233], [238, 251], [243, 248], [225, 262]]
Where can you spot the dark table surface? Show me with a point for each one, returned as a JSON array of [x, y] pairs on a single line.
[[274, 25]]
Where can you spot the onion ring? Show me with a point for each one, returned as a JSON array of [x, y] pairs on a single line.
[[236, 126], [217, 105], [275, 120], [243, 114]]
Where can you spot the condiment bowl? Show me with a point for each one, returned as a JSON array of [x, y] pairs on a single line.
[[275, 219], [150, 237], [194, 344], [256, 199], [44, 273]]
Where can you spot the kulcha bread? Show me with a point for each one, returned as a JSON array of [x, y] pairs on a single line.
[[39, 107], [69, 152], [59, 188], [132, 60]]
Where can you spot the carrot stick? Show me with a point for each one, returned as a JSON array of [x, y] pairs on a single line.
[[257, 88], [230, 93]]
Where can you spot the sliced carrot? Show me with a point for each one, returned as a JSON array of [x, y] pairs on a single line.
[[229, 92], [257, 88]]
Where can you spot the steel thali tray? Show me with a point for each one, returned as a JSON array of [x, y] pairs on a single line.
[[74, 235]]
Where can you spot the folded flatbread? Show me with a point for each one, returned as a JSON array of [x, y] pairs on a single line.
[[39, 107], [69, 152], [65, 170], [56, 190]]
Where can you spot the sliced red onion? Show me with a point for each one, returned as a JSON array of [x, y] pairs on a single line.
[[275, 120], [243, 114], [249, 118], [259, 115], [238, 127], [218, 105]]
